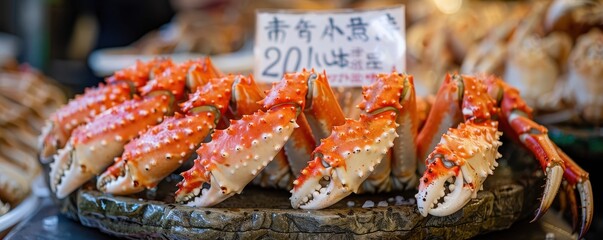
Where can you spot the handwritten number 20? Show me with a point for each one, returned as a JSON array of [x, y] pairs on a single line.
[[278, 58], [270, 72]]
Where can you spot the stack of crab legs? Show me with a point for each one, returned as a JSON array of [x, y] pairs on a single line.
[[140, 127]]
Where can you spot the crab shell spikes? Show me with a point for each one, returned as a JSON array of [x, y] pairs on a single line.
[[141, 72], [477, 103], [292, 89], [385, 92], [172, 80], [77, 112], [235, 156], [158, 152], [120, 87], [93, 146], [347, 158], [164, 148], [465, 156], [216, 92]]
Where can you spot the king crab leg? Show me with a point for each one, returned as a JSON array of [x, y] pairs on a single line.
[[322, 114], [247, 97], [163, 148], [92, 147], [404, 163], [465, 155], [576, 177], [261, 137], [351, 159], [120, 87], [445, 113], [554, 162]]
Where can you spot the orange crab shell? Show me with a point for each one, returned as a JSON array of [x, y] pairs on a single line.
[[245, 130], [172, 80], [292, 89], [92, 102], [118, 121], [241, 135], [246, 104], [200, 72], [454, 151], [217, 93], [173, 140], [141, 72], [350, 138], [193, 178], [478, 104], [383, 93]]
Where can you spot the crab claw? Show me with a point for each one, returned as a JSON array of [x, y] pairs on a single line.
[[79, 111], [120, 87], [321, 182], [450, 176], [67, 173], [554, 175], [118, 179], [195, 188], [576, 178], [457, 168], [163, 148], [344, 160], [93, 146], [158, 152], [236, 155], [586, 199], [49, 142]]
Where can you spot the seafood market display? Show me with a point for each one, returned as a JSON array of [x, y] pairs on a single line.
[[140, 126], [26, 99]]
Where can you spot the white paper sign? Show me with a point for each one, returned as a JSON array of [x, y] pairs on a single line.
[[351, 45]]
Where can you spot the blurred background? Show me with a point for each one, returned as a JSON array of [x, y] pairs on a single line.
[[551, 50]]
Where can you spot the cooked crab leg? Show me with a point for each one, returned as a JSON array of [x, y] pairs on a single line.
[[281, 170], [261, 137], [226, 166], [163, 148], [556, 164], [354, 151], [322, 113], [199, 74], [445, 113], [247, 96], [460, 163], [404, 162], [576, 177], [120, 87], [461, 146], [93, 146]]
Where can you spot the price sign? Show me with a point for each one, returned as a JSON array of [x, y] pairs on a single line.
[[351, 45]]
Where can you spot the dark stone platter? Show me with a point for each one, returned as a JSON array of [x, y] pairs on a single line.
[[508, 196]]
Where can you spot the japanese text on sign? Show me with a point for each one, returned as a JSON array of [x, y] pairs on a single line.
[[352, 46]]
